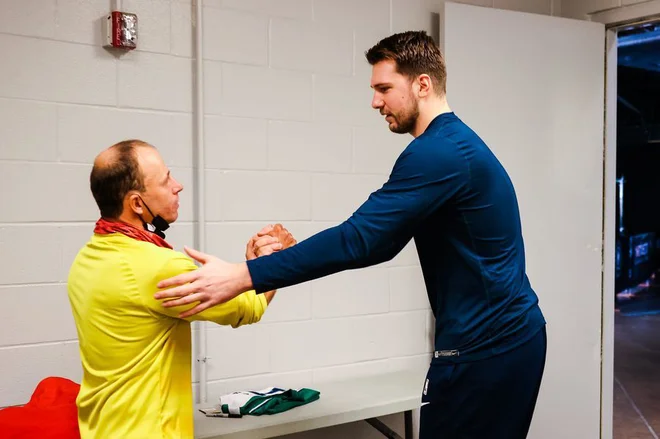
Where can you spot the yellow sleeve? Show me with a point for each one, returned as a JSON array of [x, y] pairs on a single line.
[[244, 309]]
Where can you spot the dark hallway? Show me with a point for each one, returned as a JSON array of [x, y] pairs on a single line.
[[637, 377]]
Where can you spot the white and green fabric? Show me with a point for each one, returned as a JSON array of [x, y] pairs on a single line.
[[267, 401]]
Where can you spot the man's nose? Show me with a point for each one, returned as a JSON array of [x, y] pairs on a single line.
[[376, 102], [178, 187]]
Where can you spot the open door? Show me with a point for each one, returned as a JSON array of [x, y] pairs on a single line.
[[532, 87]]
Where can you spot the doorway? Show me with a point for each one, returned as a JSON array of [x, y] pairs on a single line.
[[636, 393]]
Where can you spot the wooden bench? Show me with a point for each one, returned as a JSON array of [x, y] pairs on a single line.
[[340, 402]]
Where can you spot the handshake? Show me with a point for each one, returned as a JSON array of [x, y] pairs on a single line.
[[218, 281], [268, 240]]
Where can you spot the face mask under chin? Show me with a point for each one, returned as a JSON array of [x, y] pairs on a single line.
[[157, 225]]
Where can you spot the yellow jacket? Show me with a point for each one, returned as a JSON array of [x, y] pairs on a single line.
[[136, 354]]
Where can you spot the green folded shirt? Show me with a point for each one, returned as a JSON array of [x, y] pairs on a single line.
[[266, 402]]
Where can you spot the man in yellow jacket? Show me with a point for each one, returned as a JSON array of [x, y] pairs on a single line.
[[136, 354]]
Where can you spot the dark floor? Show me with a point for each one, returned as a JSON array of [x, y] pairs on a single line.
[[637, 376], [643, 299]]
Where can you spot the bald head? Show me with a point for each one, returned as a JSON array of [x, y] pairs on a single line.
[[114, 153], [116, 171], [107, 157]]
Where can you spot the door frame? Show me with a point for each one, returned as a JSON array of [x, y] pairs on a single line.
[[613, 20]]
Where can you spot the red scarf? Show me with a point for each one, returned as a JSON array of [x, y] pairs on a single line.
[[104, 227]]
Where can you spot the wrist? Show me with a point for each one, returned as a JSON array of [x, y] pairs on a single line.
[[243, 277]]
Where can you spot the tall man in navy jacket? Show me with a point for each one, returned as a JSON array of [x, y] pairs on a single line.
[[450, 193]]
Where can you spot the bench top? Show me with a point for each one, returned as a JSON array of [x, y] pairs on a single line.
[[340, 402]]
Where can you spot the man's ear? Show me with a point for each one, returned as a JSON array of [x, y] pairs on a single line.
[[425, 85], [134, 203]]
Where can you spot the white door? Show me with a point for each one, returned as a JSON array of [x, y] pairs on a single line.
[[532, 87]]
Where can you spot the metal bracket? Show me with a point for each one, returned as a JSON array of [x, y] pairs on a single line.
[[388, 432]]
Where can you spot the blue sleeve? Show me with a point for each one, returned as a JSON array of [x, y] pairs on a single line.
[[425, 176]]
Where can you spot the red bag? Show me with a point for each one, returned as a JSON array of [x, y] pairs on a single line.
[[50, 414]]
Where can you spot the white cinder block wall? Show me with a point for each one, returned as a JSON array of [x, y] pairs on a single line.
[[290, 136], [62, 99]]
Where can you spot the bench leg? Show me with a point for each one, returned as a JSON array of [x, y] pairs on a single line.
[[380, 426], [408, 422], [388, 432]]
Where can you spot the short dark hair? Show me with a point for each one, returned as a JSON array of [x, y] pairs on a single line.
[[415, 53], [113, 179]]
